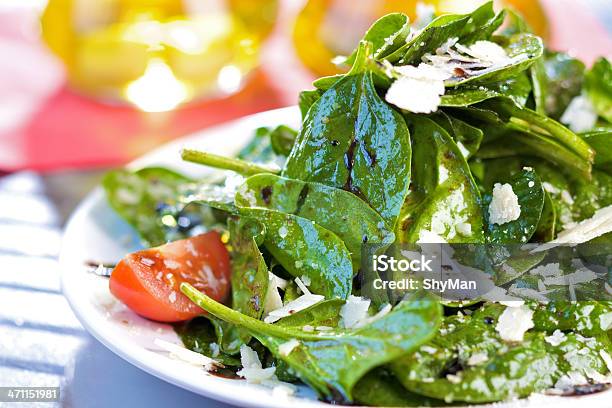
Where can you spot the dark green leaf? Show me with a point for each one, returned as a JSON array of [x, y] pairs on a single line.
[[546, 229], [307, 99], [528, 188], [259, 148], [379, 388], [509, 370], [304, 248], [516, 88], [589, 197], [564, 78], [524, 49], [249, 279], [387, 34], [138, 197], [443, 194], [601, 141], [199, 335], [466, 136], [337, 210], [598, 87], [332, 362], [439, 31], [282, 139], [351, 139], [584, 317], [541, 134]]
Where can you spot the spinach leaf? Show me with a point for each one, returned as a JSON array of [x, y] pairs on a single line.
[[282, 139], [304, 248], [485, 31], [546, 229], [516, 88], [199, 335], [528, 121], [503, 370], [352, 139], [537, 71], [601, 141], [444, 373], [598, 87], [440, 30], [139, 197], [325, 313], [380, 388], [564, 79], [306, 99], [337, 210], [332, 362], [249, 280], [259, 148], [466, 136], [528, 188], [387, 34], [523, 49], [537, 74], [443, 194], [268, 144], [585, 317], [589, 197]]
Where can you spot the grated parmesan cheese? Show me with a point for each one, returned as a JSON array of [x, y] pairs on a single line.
[[607, 359], [580, 114], [485, 51], [551, 269], [286, 348], [477, 358], [181, 353], [504, 205], [252, 370], [302, 286], [514, 322], [570, 379], [354, 310], [556, 338], [273, 299], [464, 151], [600, 223], [418, 89], [574, 278], [301, 303], [464, 228], [605, 321], [428, 237]]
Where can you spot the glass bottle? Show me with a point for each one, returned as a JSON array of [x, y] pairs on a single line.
[[157, 54]]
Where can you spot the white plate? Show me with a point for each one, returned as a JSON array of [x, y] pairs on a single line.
[[96, 233]]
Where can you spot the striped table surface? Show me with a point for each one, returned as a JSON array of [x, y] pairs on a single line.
[[41, 342]]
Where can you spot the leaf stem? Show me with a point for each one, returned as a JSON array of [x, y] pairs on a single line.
[[253, 325], [227, 163]]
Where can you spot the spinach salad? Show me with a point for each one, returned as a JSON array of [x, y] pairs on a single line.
[[466, 131]]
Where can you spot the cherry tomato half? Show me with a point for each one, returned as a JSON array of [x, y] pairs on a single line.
[[148, 281]]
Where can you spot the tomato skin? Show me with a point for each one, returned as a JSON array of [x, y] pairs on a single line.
[[148, 281]]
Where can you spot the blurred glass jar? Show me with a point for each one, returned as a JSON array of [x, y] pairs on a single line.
[[157, 54], [327, 28]]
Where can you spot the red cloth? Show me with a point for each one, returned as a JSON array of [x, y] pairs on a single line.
[[45, 126]]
